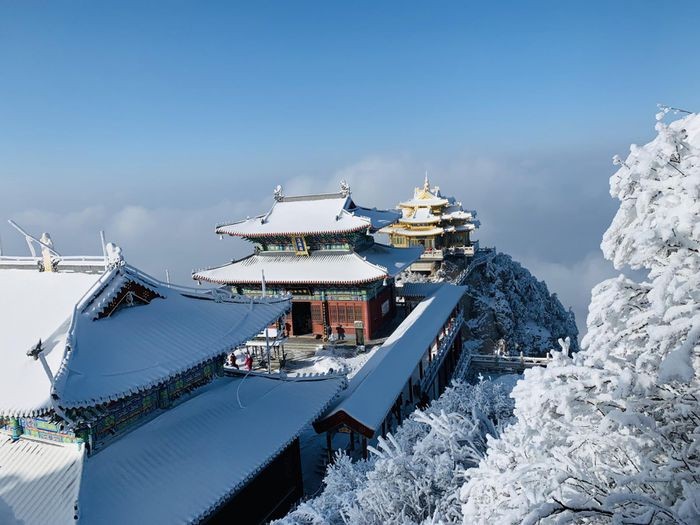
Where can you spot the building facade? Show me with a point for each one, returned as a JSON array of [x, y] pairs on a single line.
[[320, 249], [436, 223], [114, 407], [412, 367]]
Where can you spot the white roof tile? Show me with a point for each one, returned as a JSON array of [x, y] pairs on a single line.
[[319, 267], [133, 349], [371, 395], [141, 346], [39, 482], [311, 214], [183, 464], [35, 305]]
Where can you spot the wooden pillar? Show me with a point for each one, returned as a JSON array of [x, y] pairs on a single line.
[[364, 447], [366, 317], [410, 389], [420, 368], [352, 440], [329, 446], [325, 317]]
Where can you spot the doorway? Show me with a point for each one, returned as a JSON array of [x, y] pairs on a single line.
[[301, 318]]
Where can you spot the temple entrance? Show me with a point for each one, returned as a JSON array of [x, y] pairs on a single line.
[[301, 318]]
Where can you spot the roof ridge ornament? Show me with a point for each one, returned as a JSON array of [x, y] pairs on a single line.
[[426, 182], [278, 193], [344, 188], [115, 258]]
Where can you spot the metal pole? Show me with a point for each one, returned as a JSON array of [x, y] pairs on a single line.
[[104, 247], [267, 345], [29, 238], [267, 335]]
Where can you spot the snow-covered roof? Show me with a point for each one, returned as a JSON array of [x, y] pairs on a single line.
[[185, 463], [430, 200], [372, 393], [378, 218], [418, 289], [98, 348], [319, 267], [419, 216], [309, 215], [418, 209], [136, 348], [39, 481], [458, 214], [80, 263], [460, 228], [425, 196], [35, 305]]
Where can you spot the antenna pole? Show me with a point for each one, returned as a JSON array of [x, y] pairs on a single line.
[[104, 247], [267, 334], [29, 238]]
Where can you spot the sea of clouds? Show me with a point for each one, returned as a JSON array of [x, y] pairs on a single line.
[[548, 211]]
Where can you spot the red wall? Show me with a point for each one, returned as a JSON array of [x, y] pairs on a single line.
[[371, 312]]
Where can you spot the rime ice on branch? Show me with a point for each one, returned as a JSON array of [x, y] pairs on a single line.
[[610, 434]]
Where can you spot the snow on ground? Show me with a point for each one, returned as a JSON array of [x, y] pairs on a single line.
[[338, 359], [507, 381]]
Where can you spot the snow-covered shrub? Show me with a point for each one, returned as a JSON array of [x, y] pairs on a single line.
[[612, 434], [413, 476], [509, 304]]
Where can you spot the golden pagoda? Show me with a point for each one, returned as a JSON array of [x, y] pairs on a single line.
[[437, 223]]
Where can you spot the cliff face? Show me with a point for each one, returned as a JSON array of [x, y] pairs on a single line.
[[514, 312]]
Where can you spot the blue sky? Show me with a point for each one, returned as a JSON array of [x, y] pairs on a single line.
[[154, 119]]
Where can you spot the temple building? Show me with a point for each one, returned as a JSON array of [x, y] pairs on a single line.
[[320, 249], [413, 366], [436, 223], [114, 407]]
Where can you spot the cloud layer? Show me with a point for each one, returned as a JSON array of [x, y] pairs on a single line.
[[547, 211]]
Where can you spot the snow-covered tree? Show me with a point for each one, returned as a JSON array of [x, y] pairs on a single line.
[[510, 305], [413, 476], [612, 434]]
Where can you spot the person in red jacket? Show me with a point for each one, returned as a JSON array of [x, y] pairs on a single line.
[[248, 361]]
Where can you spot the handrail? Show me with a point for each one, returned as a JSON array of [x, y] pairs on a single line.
[[444, 346], [463, 364], [30, 258], [510, 358]]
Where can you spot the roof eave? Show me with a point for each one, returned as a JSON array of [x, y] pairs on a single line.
[[255, 235]]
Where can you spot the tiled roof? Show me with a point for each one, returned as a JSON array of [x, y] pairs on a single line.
[[39, 482], [182, 465], [309, 215], [141, 346], [370, 395], [319, 267], [35, 305], [95, 355], [418, 289], [177, 468]]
